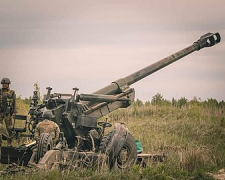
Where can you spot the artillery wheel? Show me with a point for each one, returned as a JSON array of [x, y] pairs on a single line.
[[31, 127], [127, 155], [45, 144]]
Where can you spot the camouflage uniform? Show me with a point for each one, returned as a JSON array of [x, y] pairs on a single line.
[[47, 126], [7, 108], [3, 132]]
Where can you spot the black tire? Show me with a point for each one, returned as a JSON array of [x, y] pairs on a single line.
[[45, 144], [127, 155], [31, 127]]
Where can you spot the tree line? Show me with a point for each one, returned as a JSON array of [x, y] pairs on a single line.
[[159, 100]]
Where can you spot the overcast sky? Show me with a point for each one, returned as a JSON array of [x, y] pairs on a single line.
[[89, 44]]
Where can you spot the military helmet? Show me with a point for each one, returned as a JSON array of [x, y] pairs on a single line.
[[47, 115], [5, 81]]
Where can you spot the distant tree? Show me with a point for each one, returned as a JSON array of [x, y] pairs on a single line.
[[138, 103], [158, 99], [182, 102], [147, 103], [213, 103], [222, 104], [174, 102], [195, 101], [27, 101]]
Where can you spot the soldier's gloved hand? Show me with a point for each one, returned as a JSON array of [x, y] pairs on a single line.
[[14, 115]]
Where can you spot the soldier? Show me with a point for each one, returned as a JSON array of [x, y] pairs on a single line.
[[46, 126], [7, 106]]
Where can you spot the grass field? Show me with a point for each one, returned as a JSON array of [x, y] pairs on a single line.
[[191, 136]]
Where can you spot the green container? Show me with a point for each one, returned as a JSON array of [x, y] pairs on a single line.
[[139, 146]]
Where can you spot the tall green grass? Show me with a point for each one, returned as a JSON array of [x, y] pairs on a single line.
[[191, 136]]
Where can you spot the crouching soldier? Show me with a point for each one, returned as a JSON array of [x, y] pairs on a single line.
[[46, 126]]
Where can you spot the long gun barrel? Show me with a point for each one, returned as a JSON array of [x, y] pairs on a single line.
[[206, 40], [78, 115]]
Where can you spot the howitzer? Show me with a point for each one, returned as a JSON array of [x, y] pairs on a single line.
[[78, 114]]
